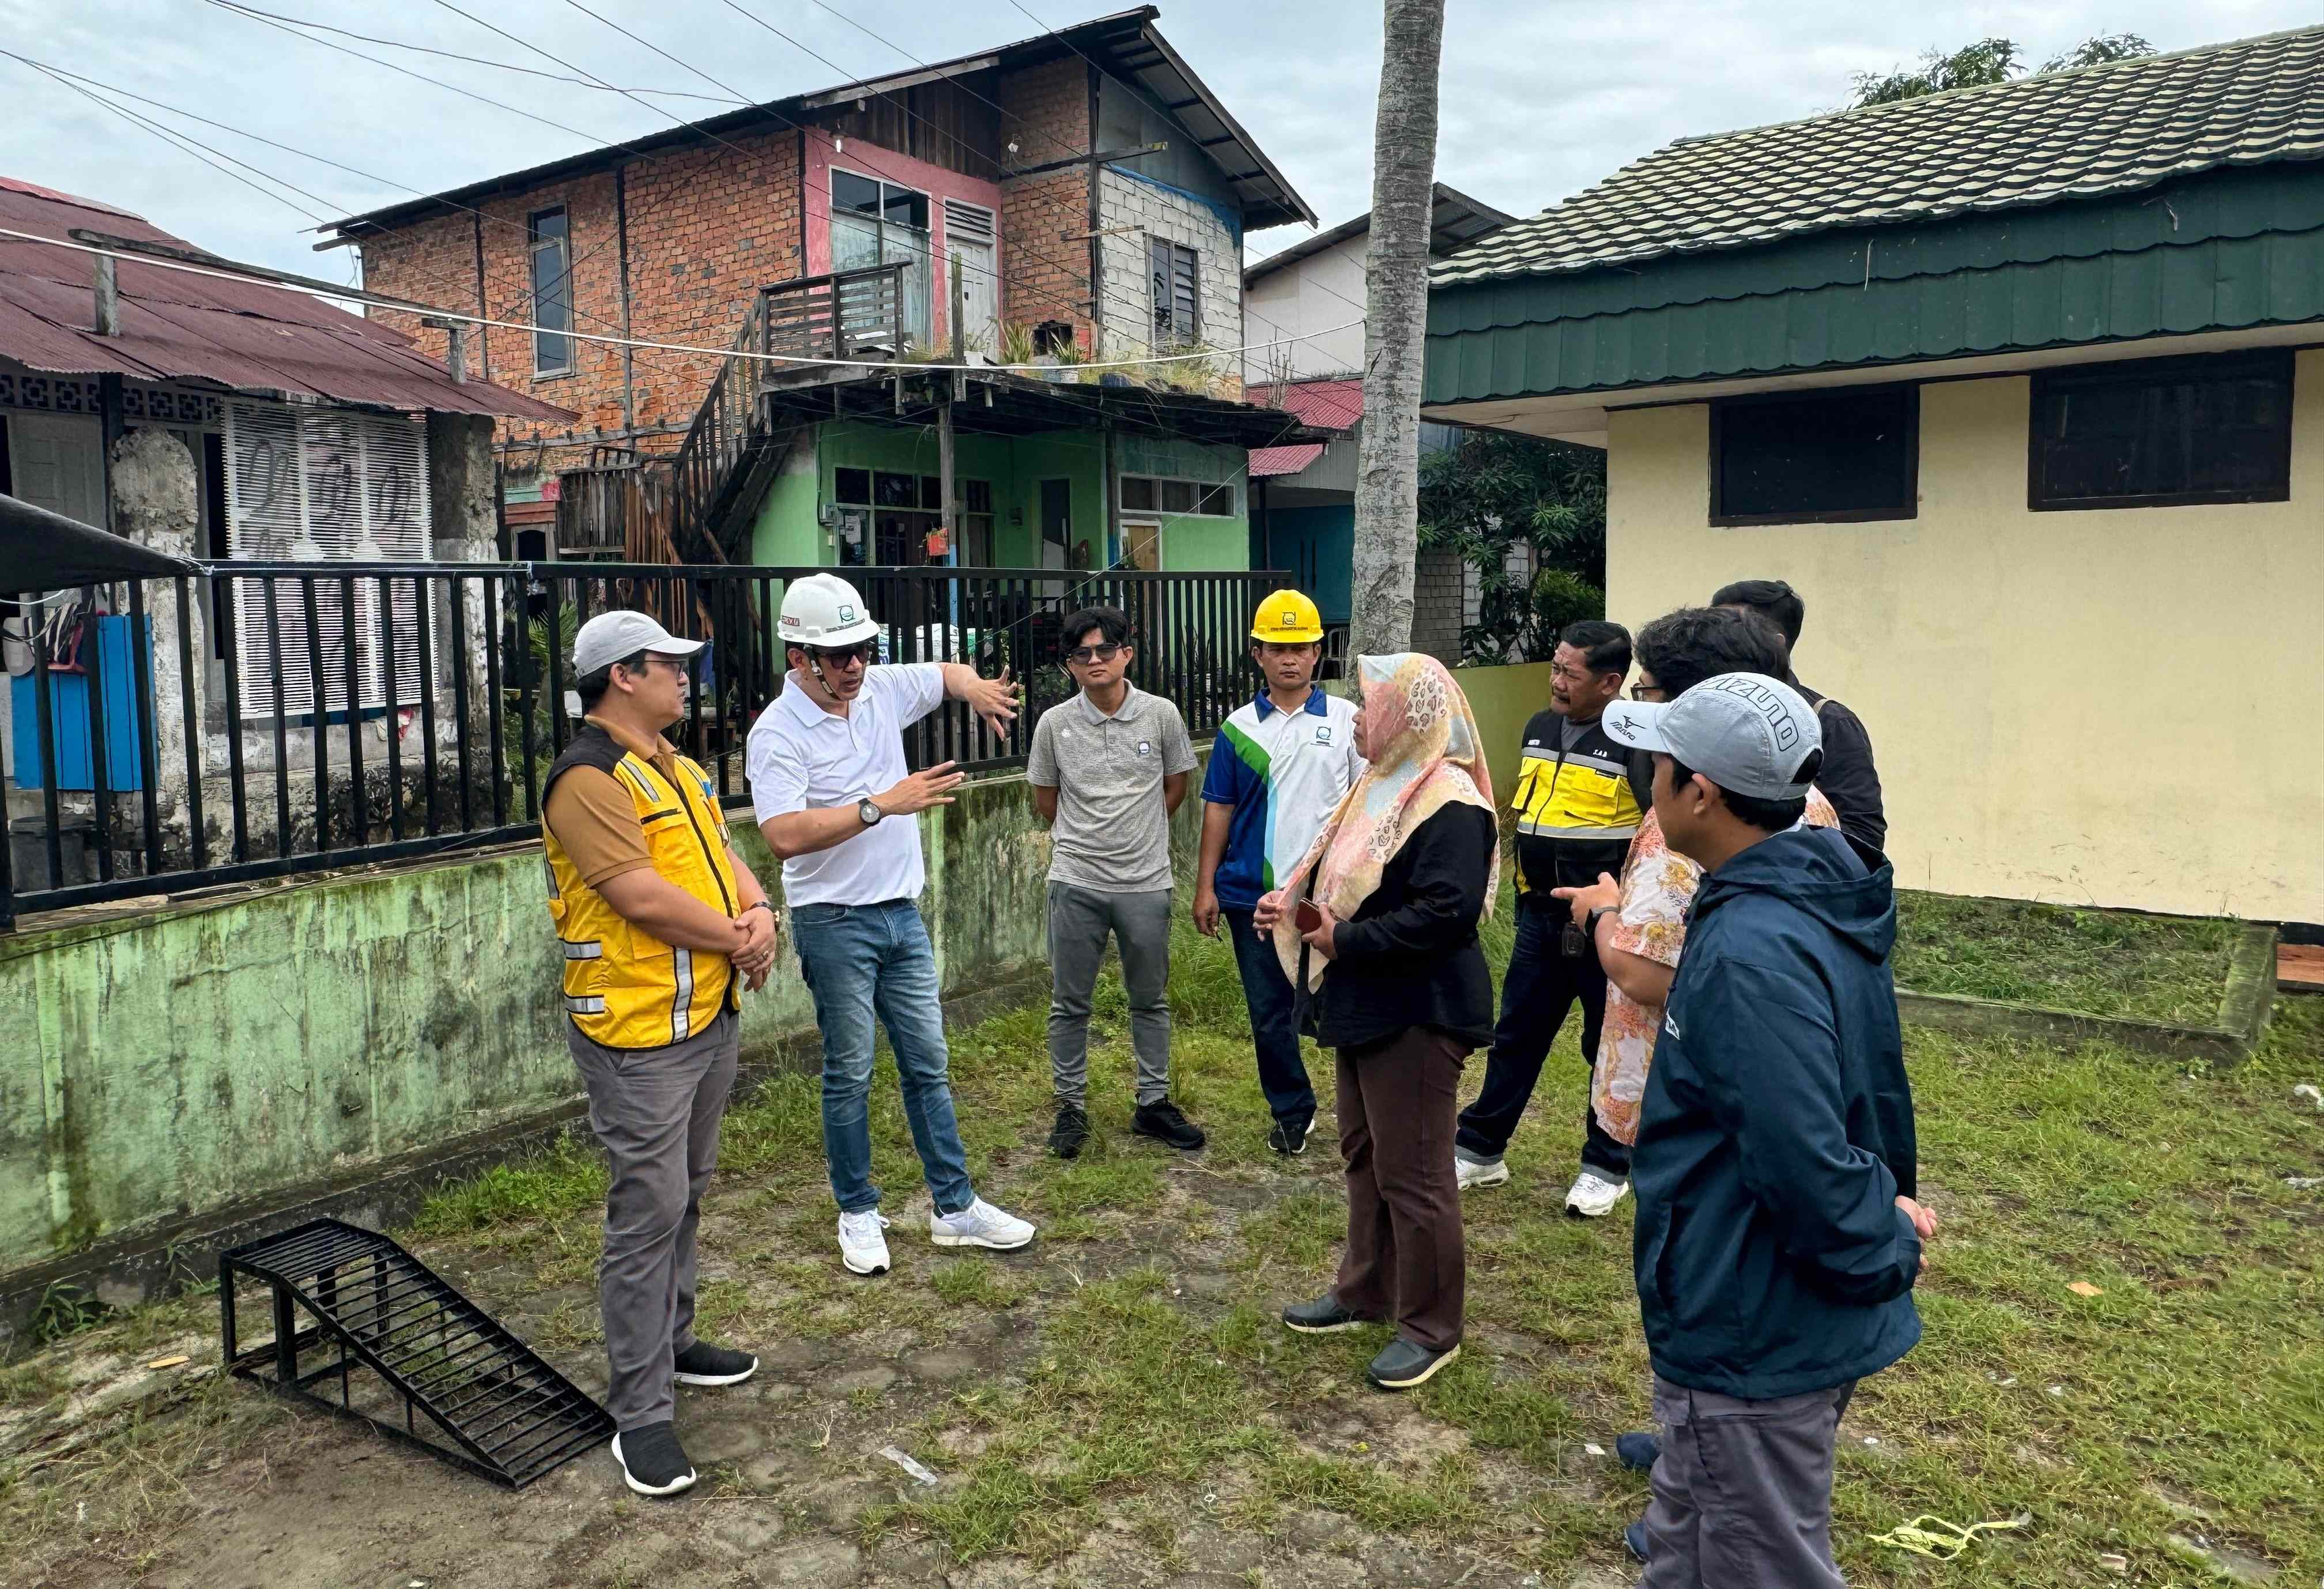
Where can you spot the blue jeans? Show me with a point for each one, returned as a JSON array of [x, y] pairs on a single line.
[[861, 960], [1273, 1025]]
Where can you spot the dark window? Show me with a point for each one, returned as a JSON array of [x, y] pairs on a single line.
[[1177, 496], [896, 491], [1056, 511], [932, 490], [979, 495], [851, 485], [1137, 493], [1177, 275], [1052, 337], [552, 294], [2163, 432], [1217, 499], [1829, 457]]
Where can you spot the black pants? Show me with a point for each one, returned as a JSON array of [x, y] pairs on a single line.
[[1539, 987]]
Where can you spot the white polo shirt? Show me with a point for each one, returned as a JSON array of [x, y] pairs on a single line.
[[803, 758]]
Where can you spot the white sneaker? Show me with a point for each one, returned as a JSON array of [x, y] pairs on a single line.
[[1472, 1175], [980, 1224], [1593, 1196], [862, 1248]]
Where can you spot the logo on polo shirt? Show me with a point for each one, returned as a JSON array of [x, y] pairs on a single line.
[[1323, 734], [1144, 745]]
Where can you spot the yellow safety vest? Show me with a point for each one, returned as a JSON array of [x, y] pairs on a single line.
[[624, 987]]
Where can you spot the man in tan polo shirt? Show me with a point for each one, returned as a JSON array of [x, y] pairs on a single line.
[[656, 918]]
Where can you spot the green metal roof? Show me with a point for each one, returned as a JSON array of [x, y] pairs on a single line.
[[2111, 129], [2219, 251]]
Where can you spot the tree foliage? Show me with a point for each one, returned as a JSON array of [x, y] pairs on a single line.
[[1497, 494], [1984, 61]]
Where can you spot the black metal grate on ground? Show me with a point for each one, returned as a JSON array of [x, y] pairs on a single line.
[[467, 1389]]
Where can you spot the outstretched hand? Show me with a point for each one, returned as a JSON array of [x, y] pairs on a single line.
[[995, 700], [1605, 894]]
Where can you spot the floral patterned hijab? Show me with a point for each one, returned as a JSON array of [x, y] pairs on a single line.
[[1427, 756]]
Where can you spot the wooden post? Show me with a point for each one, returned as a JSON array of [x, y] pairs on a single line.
[[950, 521], [109, 298], [959, 316]]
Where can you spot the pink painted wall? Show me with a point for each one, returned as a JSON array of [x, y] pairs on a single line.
[[870, 159]]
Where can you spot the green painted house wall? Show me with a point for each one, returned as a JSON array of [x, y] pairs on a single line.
[[181, 1061], [2223, 250], [787, 532]]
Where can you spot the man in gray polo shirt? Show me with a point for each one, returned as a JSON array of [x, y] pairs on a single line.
[[1107, 769]]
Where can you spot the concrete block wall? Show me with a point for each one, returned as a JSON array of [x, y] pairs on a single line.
[[1436, 603], [1149, 210]]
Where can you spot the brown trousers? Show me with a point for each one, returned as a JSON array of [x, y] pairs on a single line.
[[1404, 1260]]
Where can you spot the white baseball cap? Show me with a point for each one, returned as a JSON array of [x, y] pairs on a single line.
[[1747, 733], [611, 637]]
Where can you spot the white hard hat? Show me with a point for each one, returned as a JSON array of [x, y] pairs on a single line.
[[824, 610]]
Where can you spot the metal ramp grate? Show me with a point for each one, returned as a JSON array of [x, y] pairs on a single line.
[[465, 1389]]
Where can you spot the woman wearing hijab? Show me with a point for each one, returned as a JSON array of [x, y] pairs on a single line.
[[1397, 879]]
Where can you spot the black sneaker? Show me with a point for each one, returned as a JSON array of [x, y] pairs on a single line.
[[1401, 1364], [652, 1461], [1163, 1123], [1322, 1316], [1634, 1539], [1072, 1130], [1638, 1450], [1291, 1140], [705, 1364]]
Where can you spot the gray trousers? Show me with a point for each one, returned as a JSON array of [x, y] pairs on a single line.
[[656, 1112], [1079, 920], [1742, 1491]]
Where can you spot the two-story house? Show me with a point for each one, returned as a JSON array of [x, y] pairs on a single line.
[[1077, 196]]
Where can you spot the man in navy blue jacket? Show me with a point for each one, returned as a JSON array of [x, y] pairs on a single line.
[[1777, 1239]]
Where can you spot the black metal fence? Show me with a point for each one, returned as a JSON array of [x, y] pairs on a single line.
[[272, 719]]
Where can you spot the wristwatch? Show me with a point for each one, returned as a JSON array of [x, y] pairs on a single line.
[[1591, 928], [870, 811], [766, 905]]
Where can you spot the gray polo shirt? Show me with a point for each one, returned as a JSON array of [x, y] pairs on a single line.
[[1112, 832]]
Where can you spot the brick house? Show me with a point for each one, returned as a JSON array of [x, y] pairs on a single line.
[[1081, 195]]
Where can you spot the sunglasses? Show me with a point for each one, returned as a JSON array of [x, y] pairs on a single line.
[[1094, 654], [840, 657]]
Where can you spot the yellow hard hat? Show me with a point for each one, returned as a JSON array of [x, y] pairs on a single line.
[[1288, 618]]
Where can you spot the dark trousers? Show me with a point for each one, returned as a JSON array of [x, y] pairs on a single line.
[[656, 1112], [1742, 1491], [1405, 1259], [1274, 1020], [1539, 987]]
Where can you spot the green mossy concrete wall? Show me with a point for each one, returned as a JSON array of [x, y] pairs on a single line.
[[177, 1061]]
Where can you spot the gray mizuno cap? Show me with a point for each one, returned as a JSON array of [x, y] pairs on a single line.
[[608, 637], [1745, 732]]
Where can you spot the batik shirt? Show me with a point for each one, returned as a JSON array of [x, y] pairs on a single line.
[[1658, 885]]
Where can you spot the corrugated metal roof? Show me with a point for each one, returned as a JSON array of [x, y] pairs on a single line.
[[2100, 130], [1267, 462], [1325, 406], [176, 326]]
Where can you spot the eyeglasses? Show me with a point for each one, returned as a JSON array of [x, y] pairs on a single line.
[[672, 663], [1649, 694], [1094, 654], [841, 656]]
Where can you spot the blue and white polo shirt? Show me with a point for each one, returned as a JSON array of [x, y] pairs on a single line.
[[1283, 773]]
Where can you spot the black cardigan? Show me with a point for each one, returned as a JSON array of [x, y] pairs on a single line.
[[1410, 956]]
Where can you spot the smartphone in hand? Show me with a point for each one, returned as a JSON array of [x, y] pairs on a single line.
[[1305, 917]]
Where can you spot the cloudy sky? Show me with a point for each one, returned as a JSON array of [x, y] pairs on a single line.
[[1541, 98]]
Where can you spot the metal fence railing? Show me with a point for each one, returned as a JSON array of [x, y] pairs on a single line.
[[272, 719]]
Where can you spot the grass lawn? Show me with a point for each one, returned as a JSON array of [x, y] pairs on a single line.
[[2097, 962], [1131, 1411]]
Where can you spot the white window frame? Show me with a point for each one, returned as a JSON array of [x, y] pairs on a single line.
[[535, 246], [1201, 487], [925, 262]]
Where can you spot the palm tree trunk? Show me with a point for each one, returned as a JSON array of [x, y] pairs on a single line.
[[1396, 319]]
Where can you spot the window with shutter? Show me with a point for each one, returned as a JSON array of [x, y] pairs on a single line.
[[1176, 285], [327, 485]]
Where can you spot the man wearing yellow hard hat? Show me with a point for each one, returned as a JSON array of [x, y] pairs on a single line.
[[1282, 762]]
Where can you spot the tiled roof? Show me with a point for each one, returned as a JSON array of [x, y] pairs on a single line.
[[2099, 130]]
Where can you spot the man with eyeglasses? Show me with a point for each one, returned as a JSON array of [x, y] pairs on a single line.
[[827, 780], [1576, 809], [656, 918], [1109, 769]]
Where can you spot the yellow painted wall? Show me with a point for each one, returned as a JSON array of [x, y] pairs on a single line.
[[1504, 701], [2114, 707]]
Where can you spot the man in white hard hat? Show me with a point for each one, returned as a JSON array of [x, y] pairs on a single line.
[[657, 919], [827, 779]]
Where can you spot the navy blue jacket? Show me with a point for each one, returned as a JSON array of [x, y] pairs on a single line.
[[1776, 1132]]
